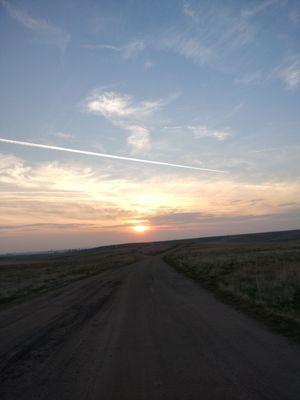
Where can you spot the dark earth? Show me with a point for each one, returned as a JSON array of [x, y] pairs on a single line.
[[141, 331]]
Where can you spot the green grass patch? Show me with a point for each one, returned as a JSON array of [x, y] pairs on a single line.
[[262, 279]]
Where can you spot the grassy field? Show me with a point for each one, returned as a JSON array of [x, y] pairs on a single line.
[[25, 276], [259, 273], [261, 277]]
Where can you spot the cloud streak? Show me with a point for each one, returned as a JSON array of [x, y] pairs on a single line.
[[213, 40], [50, 33], [257, 9], [74, 198], [104, 155], [190, 12], [128, 51], [201, 131], [289, 72]]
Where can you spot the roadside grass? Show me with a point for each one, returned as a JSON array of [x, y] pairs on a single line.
[[25, 276], [262, 279], [22, 278]]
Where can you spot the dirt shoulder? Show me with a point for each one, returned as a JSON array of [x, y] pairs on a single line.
[[260, 278]]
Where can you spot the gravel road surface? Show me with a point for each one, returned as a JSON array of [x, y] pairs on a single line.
[[139, 332]]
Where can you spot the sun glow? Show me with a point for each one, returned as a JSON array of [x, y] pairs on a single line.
[[140, 228]]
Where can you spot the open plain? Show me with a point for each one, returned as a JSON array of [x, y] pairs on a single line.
[[136, 329]]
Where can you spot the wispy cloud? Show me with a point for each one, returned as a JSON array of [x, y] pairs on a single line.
[[190, 12], [249, 79], [294, 16], [233, 111], [74, 196], [202, 131], [111, 104], [283, 148], [128, 51], [101, 46], [258, 8], [266, 150], [196, 219], [190, 47], [123, 111], [47, 32], [64, 192], [133, 48], [210, 43], [63, 135], [139, 140], [148, 64], [289, 72]]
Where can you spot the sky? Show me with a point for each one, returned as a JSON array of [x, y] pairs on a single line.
[[207, 84]]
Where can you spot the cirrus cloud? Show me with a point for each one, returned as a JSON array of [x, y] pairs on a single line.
[[128, 51], [201, 131], [47, 32], [289, 72]]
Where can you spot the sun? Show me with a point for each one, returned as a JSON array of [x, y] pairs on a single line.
[[140, 228]]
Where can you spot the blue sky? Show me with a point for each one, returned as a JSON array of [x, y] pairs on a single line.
[[206, 83]]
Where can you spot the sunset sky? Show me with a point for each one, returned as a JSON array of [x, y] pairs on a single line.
[[210, 84]]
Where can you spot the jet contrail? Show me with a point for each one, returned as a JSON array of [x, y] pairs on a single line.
[[104, 155]]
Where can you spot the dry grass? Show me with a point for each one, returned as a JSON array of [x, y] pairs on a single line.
[[22, 277], [260, 278], [27, 276]]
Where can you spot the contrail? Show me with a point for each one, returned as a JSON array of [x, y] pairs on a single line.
[[104, 155]]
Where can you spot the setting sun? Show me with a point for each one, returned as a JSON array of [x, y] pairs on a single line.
[[140, 228]]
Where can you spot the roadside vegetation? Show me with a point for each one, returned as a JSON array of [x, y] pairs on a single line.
[[23, 277], [261, 278]]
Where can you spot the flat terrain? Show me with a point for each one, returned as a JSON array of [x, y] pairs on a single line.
[[260, 277], [139, 331]]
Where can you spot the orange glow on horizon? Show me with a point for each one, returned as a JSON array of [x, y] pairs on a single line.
[[140, 228]]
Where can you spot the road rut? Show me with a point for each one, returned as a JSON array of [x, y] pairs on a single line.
[[142, 331]]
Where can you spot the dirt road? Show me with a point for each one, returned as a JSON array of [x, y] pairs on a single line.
[[141, 332]]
